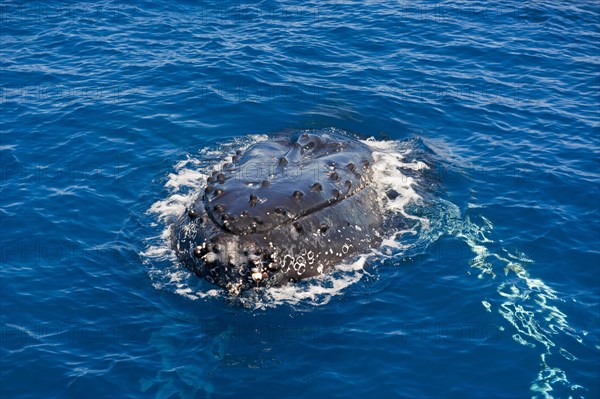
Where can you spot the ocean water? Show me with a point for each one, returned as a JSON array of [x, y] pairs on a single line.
[[484, 117]]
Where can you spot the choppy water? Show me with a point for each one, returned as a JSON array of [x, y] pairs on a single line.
[[484, 115]]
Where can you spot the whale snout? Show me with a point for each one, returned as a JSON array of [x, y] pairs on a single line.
[[285, 209]]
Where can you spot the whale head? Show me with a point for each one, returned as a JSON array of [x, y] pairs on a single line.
[[282, 210]]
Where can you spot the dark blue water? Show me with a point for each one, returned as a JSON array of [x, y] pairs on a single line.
[[104, 104]]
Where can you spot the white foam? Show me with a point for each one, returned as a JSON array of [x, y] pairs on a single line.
[[390, 162], [314, 292], [389, 159]]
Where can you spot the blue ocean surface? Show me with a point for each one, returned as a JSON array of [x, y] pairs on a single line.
[[111, 112]]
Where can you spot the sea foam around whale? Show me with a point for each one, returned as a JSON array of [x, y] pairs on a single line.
[[396, 175]]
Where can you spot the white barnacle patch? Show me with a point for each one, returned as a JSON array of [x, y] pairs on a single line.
[[311, 257], [288, 261], [357, 228], [300, 265], [234, 289], [210, 257], [345, 248], [256, 274], [320, 268], [257, 277]]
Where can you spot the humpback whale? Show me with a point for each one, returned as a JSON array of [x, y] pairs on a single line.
[[282, 210]]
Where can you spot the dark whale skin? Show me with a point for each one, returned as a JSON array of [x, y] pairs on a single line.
[[285, 209]]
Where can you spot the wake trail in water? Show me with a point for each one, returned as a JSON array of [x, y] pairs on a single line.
[[528, 304]]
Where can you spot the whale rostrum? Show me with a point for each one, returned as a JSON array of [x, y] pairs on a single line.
[[285, 209]]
